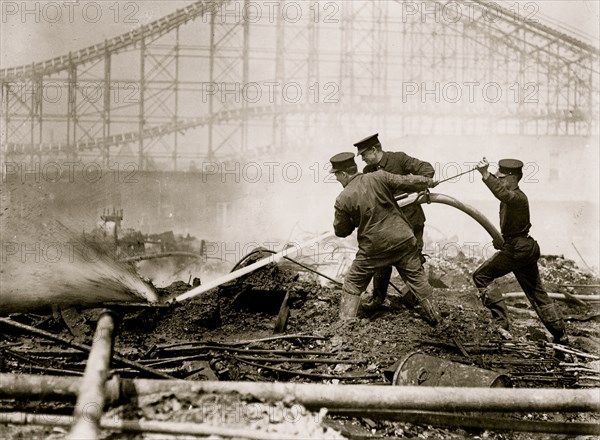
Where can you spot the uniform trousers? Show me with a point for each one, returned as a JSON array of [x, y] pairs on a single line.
[[406, 260], [381, 279], [519, 256]]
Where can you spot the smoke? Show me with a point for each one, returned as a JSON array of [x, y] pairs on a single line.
[[295, 201], [164, 271], [44, 263]]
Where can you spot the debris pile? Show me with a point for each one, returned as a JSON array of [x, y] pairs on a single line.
[[228, 334]]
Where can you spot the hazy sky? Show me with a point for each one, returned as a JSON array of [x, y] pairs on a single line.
[[37, 30], [33, 31]]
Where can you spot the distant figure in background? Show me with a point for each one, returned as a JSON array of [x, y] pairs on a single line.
[[519, 253], [400, 163], [385, 237]]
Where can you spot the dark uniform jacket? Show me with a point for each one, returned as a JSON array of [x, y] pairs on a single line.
[[367, 203], [514, 209], [403, 164]]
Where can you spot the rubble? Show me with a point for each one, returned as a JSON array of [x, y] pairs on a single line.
[[228, 333]]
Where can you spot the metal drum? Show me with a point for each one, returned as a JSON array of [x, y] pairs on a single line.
[[420, 369]]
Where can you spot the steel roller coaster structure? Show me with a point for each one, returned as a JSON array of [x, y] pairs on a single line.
[[217, 80]]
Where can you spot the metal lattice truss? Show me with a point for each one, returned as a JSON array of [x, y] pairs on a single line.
[[213, 80]]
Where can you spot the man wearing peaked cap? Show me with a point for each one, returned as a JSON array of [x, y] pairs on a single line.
[[400, 163], [518, 253], [366, 143], [341, 162], [385, 237], [509, 167]]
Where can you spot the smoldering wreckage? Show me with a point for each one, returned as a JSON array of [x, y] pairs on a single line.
[[258, 351]]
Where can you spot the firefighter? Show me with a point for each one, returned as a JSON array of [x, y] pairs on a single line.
[[400, 163], [518, 254], [385, 238]]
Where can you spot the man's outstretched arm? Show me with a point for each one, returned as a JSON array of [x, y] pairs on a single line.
[[500, 192], [342, 223], [409, 182]]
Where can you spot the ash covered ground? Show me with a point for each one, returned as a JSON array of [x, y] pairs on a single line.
[[228, 333]]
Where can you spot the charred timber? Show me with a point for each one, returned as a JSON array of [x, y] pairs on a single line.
[[47, 335]]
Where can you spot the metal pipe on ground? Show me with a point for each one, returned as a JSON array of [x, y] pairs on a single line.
[[384, 397], [51, 387], [91, 397], [371, 397], [557, 296], [440, 419], [450, 420], [149, 426], [81, 347]]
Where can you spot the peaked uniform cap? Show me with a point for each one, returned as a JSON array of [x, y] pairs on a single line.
[[367, 142], [512, 167], [341, 162]]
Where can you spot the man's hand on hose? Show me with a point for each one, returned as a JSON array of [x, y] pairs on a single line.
[[432, 183], [482, 167]]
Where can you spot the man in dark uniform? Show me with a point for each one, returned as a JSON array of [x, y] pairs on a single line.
[[519, 253], [385, 237], [402, 164]]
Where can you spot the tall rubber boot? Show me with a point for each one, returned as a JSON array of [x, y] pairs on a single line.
[[430, 311], [408, 298], [494, 302], [349, 306], [381, 281], [371, 304], [553, 321]]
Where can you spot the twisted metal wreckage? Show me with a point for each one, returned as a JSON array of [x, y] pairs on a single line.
[[441, 406]]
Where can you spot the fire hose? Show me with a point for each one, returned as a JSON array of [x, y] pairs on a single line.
[[427, 197], [403, 200]]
